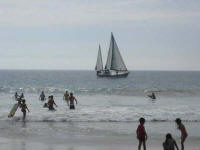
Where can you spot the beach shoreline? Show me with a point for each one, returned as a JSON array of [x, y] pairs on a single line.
[[87, 136]]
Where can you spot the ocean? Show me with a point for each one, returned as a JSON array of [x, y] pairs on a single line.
[[108, 108]]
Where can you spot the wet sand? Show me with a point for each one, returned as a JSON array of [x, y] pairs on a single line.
[[115, 143]]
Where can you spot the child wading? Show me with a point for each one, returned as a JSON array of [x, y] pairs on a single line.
[[184, 134], [23, 107], [170, 143], [141, 134]]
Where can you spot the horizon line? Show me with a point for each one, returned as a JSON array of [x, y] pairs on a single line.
[[91, 70]]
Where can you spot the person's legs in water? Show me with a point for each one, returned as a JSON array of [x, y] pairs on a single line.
[[71, 107], [24, 114], [51, 108]]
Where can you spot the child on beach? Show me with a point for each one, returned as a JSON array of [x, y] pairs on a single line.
[[24, 107], [184, 134], [141, 134], [170, 143]]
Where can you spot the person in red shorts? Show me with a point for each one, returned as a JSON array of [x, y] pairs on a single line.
[[141, 134]]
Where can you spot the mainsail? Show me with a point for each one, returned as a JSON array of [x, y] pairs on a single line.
[[99, 64], [114, 59]]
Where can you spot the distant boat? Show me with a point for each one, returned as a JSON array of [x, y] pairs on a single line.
[[115, 66]]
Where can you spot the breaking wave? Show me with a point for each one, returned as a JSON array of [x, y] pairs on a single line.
[[109, 91]]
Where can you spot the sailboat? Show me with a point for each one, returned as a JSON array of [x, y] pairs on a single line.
[[115, 66]]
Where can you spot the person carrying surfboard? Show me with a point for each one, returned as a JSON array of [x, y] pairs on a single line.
[[20, 98], [24, 107]]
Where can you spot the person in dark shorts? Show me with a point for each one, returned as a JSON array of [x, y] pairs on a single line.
[[71, 101], [141, 134], [24, 107], [42, 96], [51, 103]]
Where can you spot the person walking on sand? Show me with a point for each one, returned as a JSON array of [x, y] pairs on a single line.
[[42, 96], [184, 134], [24, 107], [51, 103], [66, 96], [141, 134], [170, 143], [71, 101]]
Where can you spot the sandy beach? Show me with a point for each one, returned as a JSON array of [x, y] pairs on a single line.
[[26, 136]]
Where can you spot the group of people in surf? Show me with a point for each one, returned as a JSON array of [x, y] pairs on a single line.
[[169, 143], [68, 97]]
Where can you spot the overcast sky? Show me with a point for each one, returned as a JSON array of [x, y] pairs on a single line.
[[65, 34]]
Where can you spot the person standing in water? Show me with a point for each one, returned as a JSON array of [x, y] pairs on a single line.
[[71, 101], [66, 96], [16, 96], [152, 96], [42, 96], [141, 134], [51, 103], [170, 143], [20, 98], [184, 134], [24, 107]]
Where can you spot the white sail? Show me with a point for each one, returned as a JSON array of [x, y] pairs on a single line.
[[99, 64], [114, 59]]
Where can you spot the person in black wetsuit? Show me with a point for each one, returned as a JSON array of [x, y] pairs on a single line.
[[71, 101], [16, 96], [42, 96], [20, 98], [152, 96]]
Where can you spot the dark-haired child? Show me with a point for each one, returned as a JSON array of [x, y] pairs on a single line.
[[184, 134], [141, 134], [170, 143]]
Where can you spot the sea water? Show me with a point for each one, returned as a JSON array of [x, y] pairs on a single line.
[[107, 107]]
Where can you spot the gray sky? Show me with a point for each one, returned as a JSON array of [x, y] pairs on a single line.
[[65, 34]]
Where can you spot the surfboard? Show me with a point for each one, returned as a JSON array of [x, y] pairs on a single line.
[[13, 110]]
